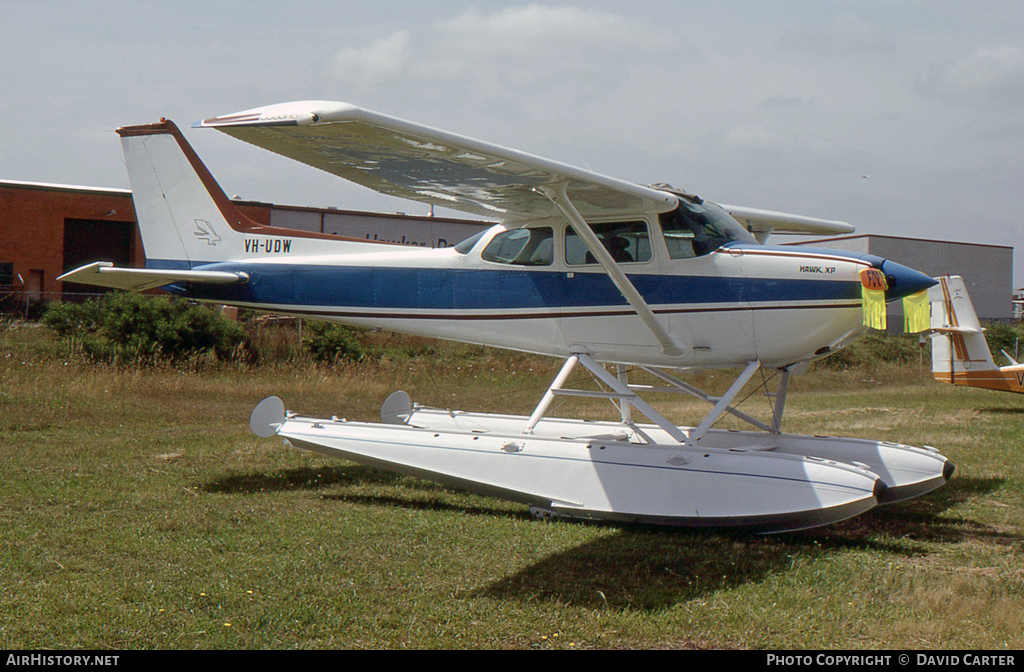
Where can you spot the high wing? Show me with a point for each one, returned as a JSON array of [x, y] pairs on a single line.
[[763, 223], [403, 159]]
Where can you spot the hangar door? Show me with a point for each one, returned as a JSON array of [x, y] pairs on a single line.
[[90, 240]]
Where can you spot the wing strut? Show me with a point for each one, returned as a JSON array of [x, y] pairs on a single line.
[[556, 194]]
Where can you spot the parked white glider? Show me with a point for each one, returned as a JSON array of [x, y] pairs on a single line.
[[960, 352], [583, 267]]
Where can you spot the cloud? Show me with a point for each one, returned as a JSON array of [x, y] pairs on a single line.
[[990, 78], [842, 35], [518, 46], [785, 102], [382, 59]]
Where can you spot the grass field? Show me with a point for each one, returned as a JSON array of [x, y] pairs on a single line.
[[139, 512]]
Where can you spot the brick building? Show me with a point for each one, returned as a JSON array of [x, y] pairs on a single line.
[[49, 229], [44, 227]]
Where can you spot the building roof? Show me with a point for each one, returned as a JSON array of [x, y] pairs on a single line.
[[46, 186], [364, 213], [907, 238]]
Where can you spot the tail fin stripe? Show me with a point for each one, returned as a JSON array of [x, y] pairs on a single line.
[[959, 344]]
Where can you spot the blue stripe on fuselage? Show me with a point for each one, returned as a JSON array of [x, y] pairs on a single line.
[[479, 289]]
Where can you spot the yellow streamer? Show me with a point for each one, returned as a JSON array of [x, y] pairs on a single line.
[[874, 307], [916, 313]]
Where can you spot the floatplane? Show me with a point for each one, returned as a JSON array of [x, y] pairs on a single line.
[[608, 275]]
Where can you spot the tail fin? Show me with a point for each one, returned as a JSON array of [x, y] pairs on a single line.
[[187, 221], [958, 341], [184, 217]]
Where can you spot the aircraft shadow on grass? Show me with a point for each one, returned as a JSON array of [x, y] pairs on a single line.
[[420, 494], [301, 478], [649, 567], [1001, 410]]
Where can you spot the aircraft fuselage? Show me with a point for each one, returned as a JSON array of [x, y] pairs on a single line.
[[744, 301]]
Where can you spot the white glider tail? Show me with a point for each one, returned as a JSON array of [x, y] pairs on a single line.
[[960, 352]]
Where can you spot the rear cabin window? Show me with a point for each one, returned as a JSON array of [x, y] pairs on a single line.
[[626, 241], [522, 247]]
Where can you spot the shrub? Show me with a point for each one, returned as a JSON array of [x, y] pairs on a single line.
[[329, 342], [874, 348], [124, 327], [1002, 336]]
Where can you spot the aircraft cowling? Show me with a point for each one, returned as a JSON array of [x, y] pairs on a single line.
[[903, 281]]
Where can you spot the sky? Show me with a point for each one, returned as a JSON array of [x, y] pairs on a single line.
[[901, 117]]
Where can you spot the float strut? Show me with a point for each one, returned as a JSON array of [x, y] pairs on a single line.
[[723, 403]]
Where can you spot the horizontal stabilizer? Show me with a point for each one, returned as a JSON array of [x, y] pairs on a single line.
[[956, 330], [104, 274]]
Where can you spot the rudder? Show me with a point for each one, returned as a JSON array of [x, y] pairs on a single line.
[[958, 339]]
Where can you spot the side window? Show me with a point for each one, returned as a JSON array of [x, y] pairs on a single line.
[[679, 241], [522, 247], [625, 241]]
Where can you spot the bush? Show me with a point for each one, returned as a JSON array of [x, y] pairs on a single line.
[[880, 347], [877, 347], [123, 327], [1002, 336], [329, 342]]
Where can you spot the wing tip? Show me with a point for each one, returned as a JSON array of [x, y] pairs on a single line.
[[296, 113]]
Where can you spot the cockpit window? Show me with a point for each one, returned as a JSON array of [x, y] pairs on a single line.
[[522, 247], [693, 230], [625, 241]]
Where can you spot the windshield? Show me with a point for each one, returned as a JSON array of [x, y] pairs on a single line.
[[469, 243], [693, 230]]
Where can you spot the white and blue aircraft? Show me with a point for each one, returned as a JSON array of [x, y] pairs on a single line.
[[594, 270]]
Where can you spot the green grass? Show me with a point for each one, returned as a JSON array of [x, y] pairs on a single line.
[[139, 512]]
